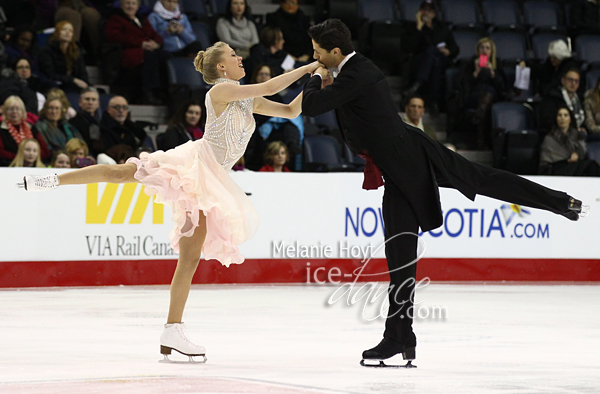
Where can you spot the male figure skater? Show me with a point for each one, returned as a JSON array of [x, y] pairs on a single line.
[[413, 167]]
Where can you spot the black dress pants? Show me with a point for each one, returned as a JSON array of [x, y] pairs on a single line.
[[402, 229]]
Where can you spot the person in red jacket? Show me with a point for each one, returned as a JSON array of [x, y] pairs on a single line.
[[14, 128], [141, 47], [276, 156]]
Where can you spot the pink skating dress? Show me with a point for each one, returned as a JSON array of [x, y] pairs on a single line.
[[193, 179]]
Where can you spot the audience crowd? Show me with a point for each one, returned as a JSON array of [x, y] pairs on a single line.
[[53, 116]]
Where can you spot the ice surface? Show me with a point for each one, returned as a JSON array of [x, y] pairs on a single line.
[[286, 339]]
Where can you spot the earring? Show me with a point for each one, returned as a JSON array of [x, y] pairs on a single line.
[[225, 73]]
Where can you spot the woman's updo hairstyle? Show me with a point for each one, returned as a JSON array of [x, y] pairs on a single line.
[[206, 62]]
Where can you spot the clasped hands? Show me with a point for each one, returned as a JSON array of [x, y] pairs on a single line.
[[327, 78]]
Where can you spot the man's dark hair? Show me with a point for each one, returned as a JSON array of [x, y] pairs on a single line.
[[415, 96], [571, 70], [332, 33]]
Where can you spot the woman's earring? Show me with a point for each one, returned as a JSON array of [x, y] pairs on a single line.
[[225, 73]]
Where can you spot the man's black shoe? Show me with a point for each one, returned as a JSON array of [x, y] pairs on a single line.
[[388, 348]]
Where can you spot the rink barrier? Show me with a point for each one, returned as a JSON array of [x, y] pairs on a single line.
[[273, 271]]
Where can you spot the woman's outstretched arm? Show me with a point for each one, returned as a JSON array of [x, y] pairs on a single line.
[[227, 92], [262, 106]]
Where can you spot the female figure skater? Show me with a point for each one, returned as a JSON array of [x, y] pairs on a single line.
[[211, 213]]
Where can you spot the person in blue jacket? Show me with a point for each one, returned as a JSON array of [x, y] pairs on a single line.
[[175, 29]]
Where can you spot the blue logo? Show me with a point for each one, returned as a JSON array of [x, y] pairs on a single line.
[[508, 221]]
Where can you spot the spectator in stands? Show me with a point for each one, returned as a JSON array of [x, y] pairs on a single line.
[[23, 44], [119, 131], [28, 155], [61, 59], [184, 126], [564, 151], [559, 61], [53, 126], [87, 120], [434, 47], [11, 84], [276, 158], [175, 29], [60, 159], [141, 48], [563, 94], [415, 109], [294, 24], [270, 129], [60, 94], [591, 104], [78, 153], [237, 29], [14, 129], [80, 13], [585, 16], [481, 83], [36, 84], [268, 51]]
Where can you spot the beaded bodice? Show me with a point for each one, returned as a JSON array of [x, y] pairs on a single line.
[[229, 132]]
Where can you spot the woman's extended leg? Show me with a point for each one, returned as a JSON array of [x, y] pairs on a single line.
[[112, 173], [189, 257]]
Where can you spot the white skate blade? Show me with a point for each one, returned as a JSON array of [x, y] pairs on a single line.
[[585, 210], [167, 360]]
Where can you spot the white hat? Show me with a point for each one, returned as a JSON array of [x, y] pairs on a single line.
[[559, 49]]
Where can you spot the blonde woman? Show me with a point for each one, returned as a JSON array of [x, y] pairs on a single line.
[[14, 129], [28, 155], [482, 83], [276, 157], [78, 152], [53, 126], [211, 213]]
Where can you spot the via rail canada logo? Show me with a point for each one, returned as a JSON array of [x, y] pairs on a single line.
[[507, 221], [99, 208]]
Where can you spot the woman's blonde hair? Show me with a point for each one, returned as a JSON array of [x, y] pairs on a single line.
[[10, 101], [492, 58], [273, 149], [206, 62], [61, 95], [76, 143], [50, 99], [19, 160]]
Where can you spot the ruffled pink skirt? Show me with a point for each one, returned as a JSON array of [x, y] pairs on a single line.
[[189, 180]]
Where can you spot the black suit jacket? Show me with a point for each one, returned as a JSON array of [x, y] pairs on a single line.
[[369, 121]]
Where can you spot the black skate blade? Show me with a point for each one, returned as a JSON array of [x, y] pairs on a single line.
[[384, 365], [166, 351]]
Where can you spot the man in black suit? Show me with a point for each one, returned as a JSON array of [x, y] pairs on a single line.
[[413, 167]]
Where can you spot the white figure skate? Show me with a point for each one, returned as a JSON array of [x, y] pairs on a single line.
[[39, 183], [174, 338]]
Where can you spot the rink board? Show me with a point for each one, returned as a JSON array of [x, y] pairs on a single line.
[[314, 228]]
